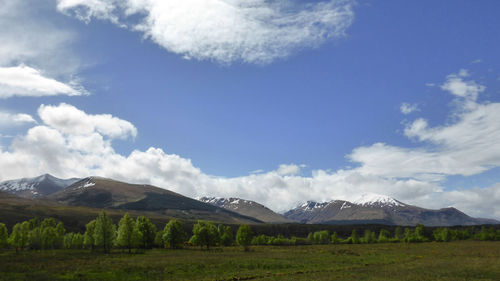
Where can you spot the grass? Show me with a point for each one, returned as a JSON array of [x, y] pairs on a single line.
[[465, 260]]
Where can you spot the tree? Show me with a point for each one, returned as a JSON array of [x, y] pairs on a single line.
[[398, 234], [321, 237], [88, 236], [147, 231], [419, 233], [226, 235], [4, 235], [159, 239], [60, 232], [408, 236], [35, 238], [128, 234], [48, 222], [77, 242], [105, 232], [173, 234], [334, 238], [49, 237], [354, 238], [34, 222], [19, 236], [244, 236], [205, 234], [383, 236], [68, 240]]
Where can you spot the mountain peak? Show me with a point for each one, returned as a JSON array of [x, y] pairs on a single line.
[[373, 199]]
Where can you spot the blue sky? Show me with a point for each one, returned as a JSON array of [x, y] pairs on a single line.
[[316, 88]]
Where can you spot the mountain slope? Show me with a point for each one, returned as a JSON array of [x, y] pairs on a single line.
[[99, 192], [372, 208], [247, 208], [36, 187]]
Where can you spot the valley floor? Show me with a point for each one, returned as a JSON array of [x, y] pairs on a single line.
[[464, 260]]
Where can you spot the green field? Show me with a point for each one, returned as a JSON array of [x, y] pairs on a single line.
[[463, 260]]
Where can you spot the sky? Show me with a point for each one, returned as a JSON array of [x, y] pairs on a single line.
[[277, 101]]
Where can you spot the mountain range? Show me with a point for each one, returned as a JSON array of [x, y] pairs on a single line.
[[93, 193]]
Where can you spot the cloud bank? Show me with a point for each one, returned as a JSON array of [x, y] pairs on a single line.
[[256, 31], [70, 142]]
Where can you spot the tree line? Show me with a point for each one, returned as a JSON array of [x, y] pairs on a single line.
[[101, 233]]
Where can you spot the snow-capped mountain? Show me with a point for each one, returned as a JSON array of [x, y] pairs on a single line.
[[377, 200], [379, 209], [36, 187], [246, 208]]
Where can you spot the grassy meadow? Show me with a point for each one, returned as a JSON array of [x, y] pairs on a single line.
[[461, 260]]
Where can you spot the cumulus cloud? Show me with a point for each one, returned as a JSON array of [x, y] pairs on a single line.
[[456, 85], [14, 119], [26, 81], [72, 121], [256, 31], [70, 142], [407, 108]]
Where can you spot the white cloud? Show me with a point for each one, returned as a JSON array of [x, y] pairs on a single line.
[[290, 169], [70, 120], [256, 31], [407, 108], [456, 85], [71, 142], [9, 119], [26, 81]]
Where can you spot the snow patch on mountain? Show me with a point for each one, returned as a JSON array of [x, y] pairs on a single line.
[[372, 199]]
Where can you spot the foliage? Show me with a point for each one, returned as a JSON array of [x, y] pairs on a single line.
[[205, 234], [105, 232], [147, 232], [334, 238], [226, 235], [128, 234], [173, 234], [369, 237], [321, 237], [4, 235], [244, 236], [88, 236], [383, 236], [19, 236]]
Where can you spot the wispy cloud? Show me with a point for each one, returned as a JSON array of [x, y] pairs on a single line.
[[256, 31], [26, 81], [8, 119], [407, 108]]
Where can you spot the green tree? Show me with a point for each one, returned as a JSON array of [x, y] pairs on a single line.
[[77, 242], [408, 235], [159, 239], [105, 232], [419, 233], [35, 238], [68, 240], [321, 237], [48, 222], [19, 236], [369, 237], [226, 235], [174, 234], [383, 236], [205, 234], [88, 236], [398, 234], [147, 232], [49, 237], [34, 222], [334, 238], [4, 235], [128, 234], [354, 238], [244, 236], [60, 232]]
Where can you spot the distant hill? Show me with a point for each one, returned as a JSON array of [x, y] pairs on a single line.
[[36, 187], [378, 209], [99, 192], [247, 208]]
